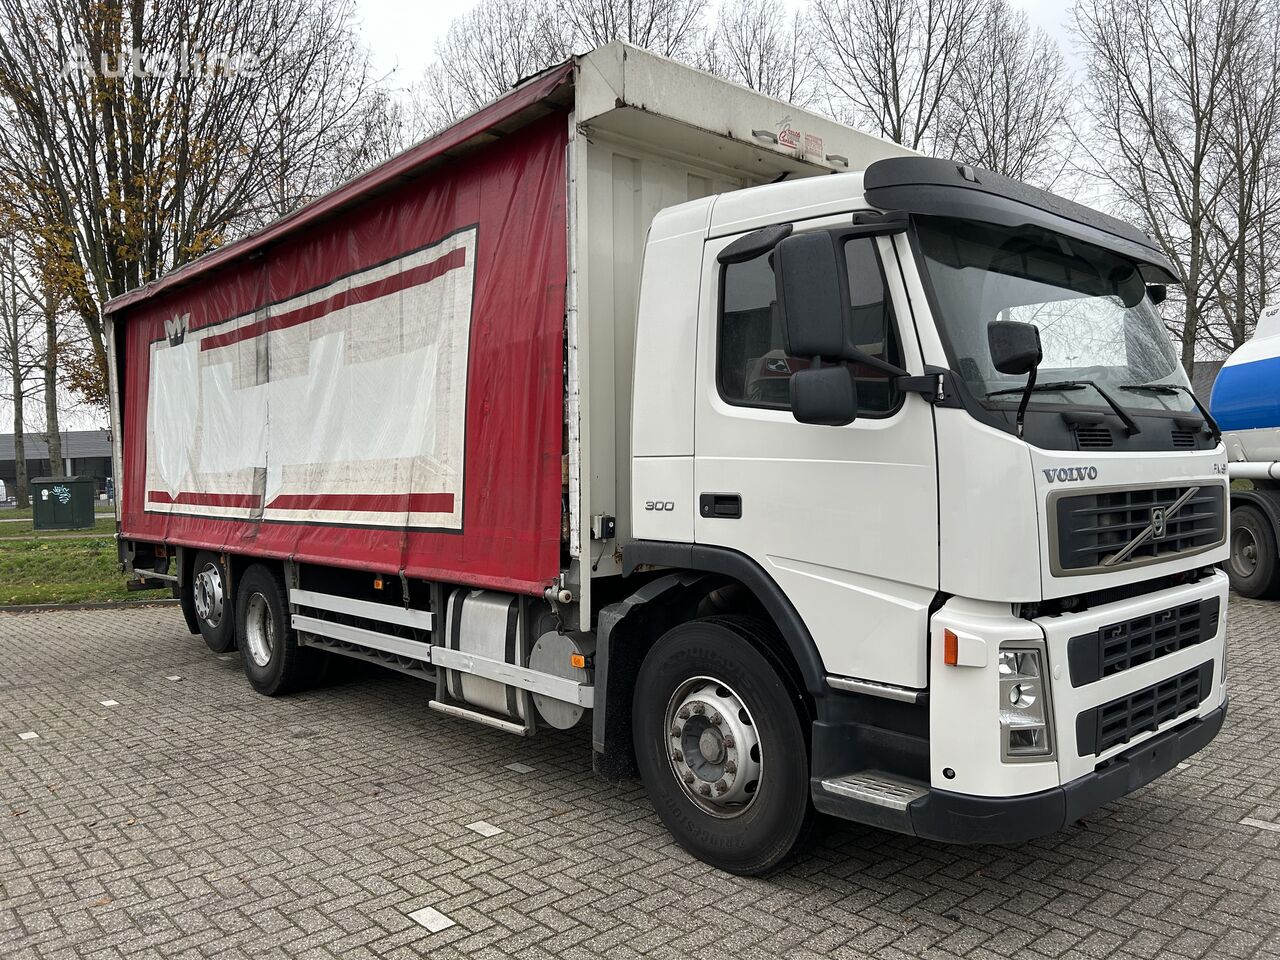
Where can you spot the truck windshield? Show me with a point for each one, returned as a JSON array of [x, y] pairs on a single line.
[[1096, 322]]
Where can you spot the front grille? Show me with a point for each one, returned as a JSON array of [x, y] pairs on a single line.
[[1119, 646], [1093, 436], [1101, 728], [1097, 531]]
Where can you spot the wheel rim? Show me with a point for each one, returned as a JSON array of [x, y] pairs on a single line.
[[1244, 552], [714, 747], [209, 594], [259, 630]]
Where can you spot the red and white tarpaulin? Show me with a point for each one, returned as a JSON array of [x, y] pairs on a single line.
[[382, 389]]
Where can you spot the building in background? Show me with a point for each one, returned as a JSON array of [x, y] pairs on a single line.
[[86, 453]]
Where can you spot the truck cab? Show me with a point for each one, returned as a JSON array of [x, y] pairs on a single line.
[[931, 418]]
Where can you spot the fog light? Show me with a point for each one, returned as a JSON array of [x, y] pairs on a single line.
[[1026, 724]]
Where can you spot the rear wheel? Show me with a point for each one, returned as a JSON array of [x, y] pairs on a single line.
[[212, 602], [1253, 565], [273, 662], [721, 747]]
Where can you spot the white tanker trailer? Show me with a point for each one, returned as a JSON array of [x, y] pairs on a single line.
[[1246, 404]]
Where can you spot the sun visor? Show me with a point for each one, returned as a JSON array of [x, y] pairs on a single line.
[[943, 188]]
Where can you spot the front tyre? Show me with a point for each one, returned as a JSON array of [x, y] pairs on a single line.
[[720, 745], [211, 600], [273, 662]]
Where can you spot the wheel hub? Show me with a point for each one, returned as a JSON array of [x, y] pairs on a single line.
[[714, 747], [711, 746], [1244, 551], [208, 595], [259, 630]]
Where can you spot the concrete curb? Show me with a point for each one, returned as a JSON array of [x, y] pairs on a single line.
[[70, 607]]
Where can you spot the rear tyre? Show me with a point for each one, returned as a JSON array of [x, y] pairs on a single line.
[[211, 601], [273, 662], [1253, 565], [720, 745]]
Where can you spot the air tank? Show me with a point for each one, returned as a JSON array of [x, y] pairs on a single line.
[[1246, 402]]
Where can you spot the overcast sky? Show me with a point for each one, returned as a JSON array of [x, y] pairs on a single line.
[[402, 33]]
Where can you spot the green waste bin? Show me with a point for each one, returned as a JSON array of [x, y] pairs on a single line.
[[62, 503]]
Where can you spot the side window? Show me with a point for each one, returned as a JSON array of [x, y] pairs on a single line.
[[752, 365]]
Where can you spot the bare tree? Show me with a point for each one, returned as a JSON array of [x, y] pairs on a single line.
[[761, 45], [50, 304], [667, 27], [500, 42], [329, 124], [1246, 223], [141, 133], [1007, 109], [18, 326], [1157, 75], [888, 65], [485, 52]]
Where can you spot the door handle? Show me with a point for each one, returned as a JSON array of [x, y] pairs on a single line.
[[722, 506]]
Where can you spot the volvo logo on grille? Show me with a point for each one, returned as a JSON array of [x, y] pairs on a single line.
[[1159, 523], [1069, 474]]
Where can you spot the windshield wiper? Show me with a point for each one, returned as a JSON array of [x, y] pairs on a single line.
[[1130, 425], [1173, 389]]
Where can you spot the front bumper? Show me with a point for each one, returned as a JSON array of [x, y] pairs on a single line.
[[964, 818]]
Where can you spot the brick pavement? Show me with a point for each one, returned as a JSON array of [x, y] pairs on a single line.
[[197, 819]]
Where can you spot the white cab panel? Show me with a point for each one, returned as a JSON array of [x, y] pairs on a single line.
[[873, 626], [662, 501], [666, 332], [988, 510]]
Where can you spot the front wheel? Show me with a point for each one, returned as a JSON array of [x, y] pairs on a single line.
[[1253, 565], [720, 745]]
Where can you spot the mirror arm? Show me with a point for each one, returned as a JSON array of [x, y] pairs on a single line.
[[1026, 398], [931, 386], [857, 356]]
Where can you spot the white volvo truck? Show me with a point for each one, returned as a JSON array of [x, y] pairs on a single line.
[[812, 473]]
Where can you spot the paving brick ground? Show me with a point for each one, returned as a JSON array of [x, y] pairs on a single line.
[[198, 819]]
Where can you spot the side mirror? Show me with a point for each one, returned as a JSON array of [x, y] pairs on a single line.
[[813, 306], [824, 395], [1015, 346], [1157, 293]]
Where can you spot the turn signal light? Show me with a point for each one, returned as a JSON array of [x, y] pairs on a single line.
[[578, 660], [377, 583], [950, 648]]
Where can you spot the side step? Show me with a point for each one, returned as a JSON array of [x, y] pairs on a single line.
[[872, 797], [874, 787]]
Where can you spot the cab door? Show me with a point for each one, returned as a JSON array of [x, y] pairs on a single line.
[[844, 518]]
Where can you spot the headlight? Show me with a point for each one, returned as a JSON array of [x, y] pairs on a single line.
[[1026, 724]]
